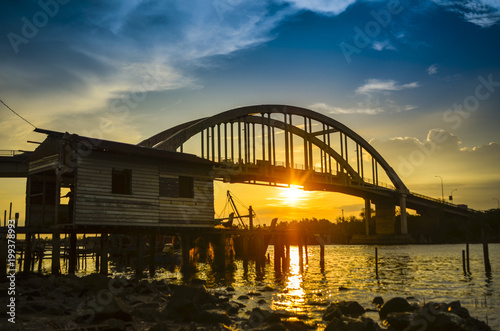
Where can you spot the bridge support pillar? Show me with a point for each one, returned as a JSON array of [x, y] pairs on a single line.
[[368, 215], [385, 216], [404, 222]]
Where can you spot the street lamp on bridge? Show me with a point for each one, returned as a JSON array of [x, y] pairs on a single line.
[[498, 203], [451, 194], [442, 188]]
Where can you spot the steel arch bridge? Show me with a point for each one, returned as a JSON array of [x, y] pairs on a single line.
[[288, 145]]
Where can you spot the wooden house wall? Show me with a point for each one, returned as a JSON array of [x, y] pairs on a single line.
[[95, 204]]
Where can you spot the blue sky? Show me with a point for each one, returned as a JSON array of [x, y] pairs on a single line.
[[397, 72]]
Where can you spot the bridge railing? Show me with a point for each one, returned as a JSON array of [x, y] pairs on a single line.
[[436, 200]]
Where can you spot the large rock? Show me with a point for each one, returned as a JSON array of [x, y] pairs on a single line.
[[395, 305], [95, 311], [348, 308], [214, 317], [186, 301], [399, 321]]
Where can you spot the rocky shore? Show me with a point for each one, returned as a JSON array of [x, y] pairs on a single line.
[[97, 302]]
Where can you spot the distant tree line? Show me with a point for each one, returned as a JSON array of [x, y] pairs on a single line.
[[423, 229]]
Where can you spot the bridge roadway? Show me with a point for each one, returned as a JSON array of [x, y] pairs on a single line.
[[310, 180]]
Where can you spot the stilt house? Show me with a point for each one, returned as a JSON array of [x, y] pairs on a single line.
[[81, 181]]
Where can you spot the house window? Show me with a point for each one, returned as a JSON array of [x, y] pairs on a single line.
[[186, 187], [121, 182], [179, 187]]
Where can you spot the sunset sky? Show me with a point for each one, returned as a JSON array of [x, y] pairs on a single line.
[[400, 73]]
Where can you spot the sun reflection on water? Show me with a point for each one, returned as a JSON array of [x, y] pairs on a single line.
[[293, 296]]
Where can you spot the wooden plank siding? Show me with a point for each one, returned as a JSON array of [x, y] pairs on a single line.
[[95, 204], [189, 211]]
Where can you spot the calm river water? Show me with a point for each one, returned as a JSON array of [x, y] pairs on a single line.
[[427, 273]]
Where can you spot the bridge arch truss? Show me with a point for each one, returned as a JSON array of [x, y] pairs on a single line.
[[281, 137]]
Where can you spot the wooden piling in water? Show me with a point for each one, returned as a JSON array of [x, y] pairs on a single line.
[[245, 240], [139, 255], [27, 255], [185, 252], [56, 253], [152, 255], [104, 254], [463, 262], [486, 253], [72, 253], [286, 261], [376, 262], [277, 255], [467, 257]]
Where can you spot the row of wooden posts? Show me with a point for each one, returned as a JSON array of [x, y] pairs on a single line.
[[254, 247]]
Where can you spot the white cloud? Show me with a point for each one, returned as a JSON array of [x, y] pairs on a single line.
[[361, 108], [381, 45], [324, 108], [326, 7], [432, 70], [484, 13], [378, 85], [120, 48]]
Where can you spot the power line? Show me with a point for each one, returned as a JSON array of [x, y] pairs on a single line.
[[12, 110]]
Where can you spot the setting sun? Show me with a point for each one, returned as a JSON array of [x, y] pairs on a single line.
[[292, 195]]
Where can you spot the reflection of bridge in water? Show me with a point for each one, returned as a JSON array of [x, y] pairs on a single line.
[[286, 145]]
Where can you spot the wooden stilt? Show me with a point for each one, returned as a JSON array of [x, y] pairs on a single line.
[[486, 253], [245, 254], [72, 253], [463, 262], [286, 265], [27, 255], [152, 253], [97, 264], [185, 252], [104, 254], [467, 257], [139, 255], [56, 253], [21, 257], [277, 256]]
